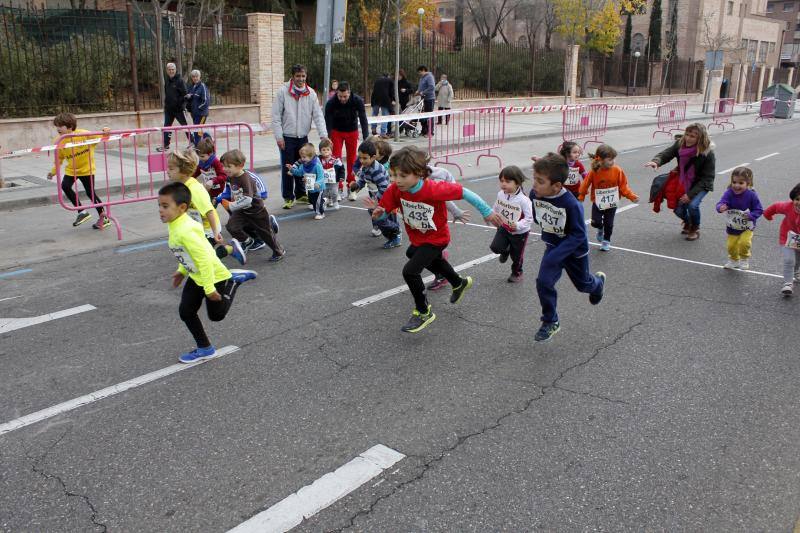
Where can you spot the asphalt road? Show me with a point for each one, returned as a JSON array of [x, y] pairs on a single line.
[[672, 406]]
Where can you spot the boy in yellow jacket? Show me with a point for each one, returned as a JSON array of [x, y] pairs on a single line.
[[208, 279], [80, 166]]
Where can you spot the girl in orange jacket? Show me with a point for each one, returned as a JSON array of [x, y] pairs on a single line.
[[608, 183]]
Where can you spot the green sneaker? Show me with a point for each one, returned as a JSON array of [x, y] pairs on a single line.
[[288, 204], [458, 292], [418, 321], [303, 199], [547, 331]]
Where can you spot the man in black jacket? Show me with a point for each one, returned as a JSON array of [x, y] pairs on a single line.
[[382, 101], [174, 102], [343, 113]]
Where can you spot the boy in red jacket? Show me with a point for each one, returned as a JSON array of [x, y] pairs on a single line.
[[209, 168]]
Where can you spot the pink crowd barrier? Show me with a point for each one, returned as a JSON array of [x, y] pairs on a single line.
[[723, 112], [767, 110], [584, 122], [467, 131], [671, 116], [128, 168]]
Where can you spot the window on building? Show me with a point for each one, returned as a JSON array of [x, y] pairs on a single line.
[[770, 7], [771, 47], [762, 52], [730, 8], [798, 26], [441, 11], [788, 6]]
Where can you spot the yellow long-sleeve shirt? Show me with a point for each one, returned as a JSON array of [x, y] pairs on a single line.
[[200, 204], [80, 159], [196, 257]]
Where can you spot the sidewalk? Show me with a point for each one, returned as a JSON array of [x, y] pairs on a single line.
[[28, 173]]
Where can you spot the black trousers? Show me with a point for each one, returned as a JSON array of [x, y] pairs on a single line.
[[427, 107], [505, 242], [430, 257], [68, 186], [257, 222], [170, 116], [191, 301], [446, 117], [604, 219]]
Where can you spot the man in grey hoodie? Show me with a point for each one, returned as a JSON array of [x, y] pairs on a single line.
[[294, 109]]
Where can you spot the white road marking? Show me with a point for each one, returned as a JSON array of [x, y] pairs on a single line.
[[10, 298], [763, 157], [322, 493], [69, 405], [731, 169], [10, 324]]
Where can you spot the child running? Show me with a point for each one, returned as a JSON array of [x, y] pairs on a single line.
[[572, 152], [310, 169], [208, 279], [180, 167], [209, 168], [608, 183], [247, 210], [742, 206], [373, 175], [566, 243], [80, 167], [514, 209], [333, 169], [253, 241], [422, 205], [789, 237], [459, 215]]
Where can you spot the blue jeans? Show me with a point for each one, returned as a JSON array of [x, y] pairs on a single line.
[[385, 128], [690, 213], [292, 187]]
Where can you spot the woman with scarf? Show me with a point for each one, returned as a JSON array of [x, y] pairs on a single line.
[[694, 152]]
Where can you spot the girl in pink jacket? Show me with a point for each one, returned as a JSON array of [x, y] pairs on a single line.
[[789, 237]]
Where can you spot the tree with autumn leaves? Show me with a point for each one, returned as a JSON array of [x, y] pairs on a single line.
[[378, 16], [594, 25]]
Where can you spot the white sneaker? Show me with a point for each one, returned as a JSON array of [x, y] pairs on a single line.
[[342, 196], [319, 216], [797, 276], [311, 207], [353, 196], [376, 232], [731, 264], [744, 264], [787, 289], [335, 206]]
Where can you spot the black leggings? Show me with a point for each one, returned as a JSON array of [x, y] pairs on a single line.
[[604, 219], [191, 301], [505, 242], [68, 186], [430, 257]]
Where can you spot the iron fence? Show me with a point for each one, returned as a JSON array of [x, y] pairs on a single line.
[[80, 60], [616, 75]]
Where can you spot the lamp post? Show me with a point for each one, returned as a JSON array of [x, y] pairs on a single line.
[[421, 13], [637, 54]]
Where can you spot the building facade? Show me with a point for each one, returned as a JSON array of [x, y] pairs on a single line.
[[788, 13]]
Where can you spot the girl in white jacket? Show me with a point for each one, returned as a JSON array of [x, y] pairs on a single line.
[[514, 207]]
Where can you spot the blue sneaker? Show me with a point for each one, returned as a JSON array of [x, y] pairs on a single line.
[[393, 243], [595, 298], [274, 223], [277, 257], [600, 235], [238, 252], [547, 331], [198, 354], [605, 246], [240, 276], [253, 245]]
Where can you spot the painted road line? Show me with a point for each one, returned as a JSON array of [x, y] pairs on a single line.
[[10, 298], [403, 288], [763, 157], [92, 397], [15, 273], [137, 247], [325, 491], [11, 324], [731, 169]]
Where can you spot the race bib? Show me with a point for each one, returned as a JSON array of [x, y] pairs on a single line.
[[738, 220], [208, 175], [509, 212], [184, 259], [330, 175], [418, 215], [552, 219], [310, 181], [372, 188], [793, 240], [606, 198], [574, 176]]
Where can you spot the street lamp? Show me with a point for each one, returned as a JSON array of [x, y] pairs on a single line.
[[421, 13], [636, 54]]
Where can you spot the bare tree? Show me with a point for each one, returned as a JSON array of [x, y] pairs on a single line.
[[488, 17], [531, 14]]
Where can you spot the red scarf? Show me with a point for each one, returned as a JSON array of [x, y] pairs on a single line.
[[296, 93]]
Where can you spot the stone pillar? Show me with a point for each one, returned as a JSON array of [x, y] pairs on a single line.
[[790, 76], [265, 41], [771, 76], [762, 70], [742, 83], [572, 75]]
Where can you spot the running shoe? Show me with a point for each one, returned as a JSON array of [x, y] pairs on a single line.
[[102, 222], [744, 264], [392, 243], [240, 276], [797, 276], [547, 331], [731, 264], [353, 196], [787, 289], [277, 257], [238, 252], [419, 321], [600, 235], [162, 148], [437, 284], [303, 199], [288, 204], [319, 216], [82, 217], [273, 222], [254, 244], [198, 354], [595, 298], [605, 246], [503, 257], [514, 278], [310, 207], [335, 205], [458, 292], [376, 232]]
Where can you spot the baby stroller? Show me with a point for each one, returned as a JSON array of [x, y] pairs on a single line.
[[412, 128]]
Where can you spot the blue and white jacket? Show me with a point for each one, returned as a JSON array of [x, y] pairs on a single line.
[[312, 167], [375, 178], [198, 99]]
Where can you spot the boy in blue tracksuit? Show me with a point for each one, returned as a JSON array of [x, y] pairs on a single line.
[[567, 245], [374, 176], [310, 169]]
